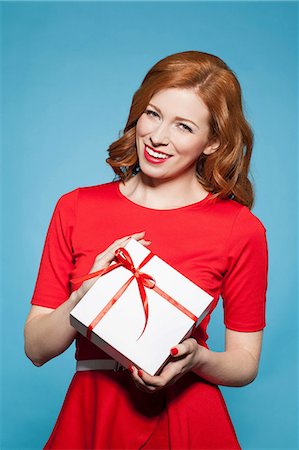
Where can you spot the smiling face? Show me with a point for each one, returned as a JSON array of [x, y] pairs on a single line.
[[172, 133]]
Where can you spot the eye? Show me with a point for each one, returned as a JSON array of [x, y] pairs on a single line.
[[149, 112], [185, 127]]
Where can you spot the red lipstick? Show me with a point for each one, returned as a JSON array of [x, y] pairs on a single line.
[[154, 160]]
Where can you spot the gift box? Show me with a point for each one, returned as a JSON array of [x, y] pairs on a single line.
[[139, 308]]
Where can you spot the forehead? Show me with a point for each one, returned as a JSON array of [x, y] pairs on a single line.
[[181, 102]]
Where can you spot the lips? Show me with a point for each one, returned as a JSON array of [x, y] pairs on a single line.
[[157, 154], [154, 157], [156, 151]]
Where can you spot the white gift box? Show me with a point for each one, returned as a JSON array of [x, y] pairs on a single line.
[[121, 333]]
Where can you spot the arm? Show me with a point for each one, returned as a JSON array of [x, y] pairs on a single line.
[[236, 366], [48, 332]]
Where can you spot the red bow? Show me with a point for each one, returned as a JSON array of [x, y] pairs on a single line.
[[143, 280]]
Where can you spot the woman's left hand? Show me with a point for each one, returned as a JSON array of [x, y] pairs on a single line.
[[186, 356]]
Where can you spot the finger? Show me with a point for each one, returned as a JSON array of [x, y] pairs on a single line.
[[136, 375], [135, 235], [145, 388], [138, 235], [171, 372], [144, 242], [138, 380], [184, 348], [153, 382], [169, 375], [109, 254], [120, 242], [178, 351]]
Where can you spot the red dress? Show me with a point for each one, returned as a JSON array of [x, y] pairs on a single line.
[[219, 245]]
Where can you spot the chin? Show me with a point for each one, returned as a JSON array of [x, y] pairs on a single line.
[[153, 172]]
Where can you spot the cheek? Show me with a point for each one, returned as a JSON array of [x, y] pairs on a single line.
[[189, 147], [144, 126]]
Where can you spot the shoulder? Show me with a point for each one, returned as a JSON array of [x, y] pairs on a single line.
[[238, 215], [86, 194], [248, 224], [234, 217], [245, 227], [238, 225]]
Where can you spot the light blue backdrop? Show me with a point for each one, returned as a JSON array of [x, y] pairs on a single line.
[[69, 73]]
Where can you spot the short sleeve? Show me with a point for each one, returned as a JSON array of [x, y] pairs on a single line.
[[245, 281], [52, 285]]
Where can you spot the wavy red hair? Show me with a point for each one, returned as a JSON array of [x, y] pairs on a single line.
[[224, 172]]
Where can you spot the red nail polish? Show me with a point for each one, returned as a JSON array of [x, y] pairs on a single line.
[[174, 351], [130, 368], [140, 373]]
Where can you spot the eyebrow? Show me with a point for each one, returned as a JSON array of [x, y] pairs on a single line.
[[179, 118]]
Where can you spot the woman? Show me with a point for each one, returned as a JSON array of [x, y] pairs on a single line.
[[182, 189]]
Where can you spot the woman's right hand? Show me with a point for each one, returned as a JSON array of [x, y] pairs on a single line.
[[104, 259]]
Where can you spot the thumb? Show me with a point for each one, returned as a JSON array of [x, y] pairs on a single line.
[[175, 351]]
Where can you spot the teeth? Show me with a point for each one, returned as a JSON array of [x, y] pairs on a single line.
[[155, 154]]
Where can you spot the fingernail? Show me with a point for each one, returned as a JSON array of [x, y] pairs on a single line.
[[140, 373], [174, 351], [130, 368]]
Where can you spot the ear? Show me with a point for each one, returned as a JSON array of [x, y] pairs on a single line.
[[211, 147]]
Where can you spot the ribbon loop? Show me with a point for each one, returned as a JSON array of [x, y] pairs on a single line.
[[143, 280], [148, 281], [124, 258]]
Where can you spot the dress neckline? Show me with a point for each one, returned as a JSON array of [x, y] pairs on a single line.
[[192, 205]]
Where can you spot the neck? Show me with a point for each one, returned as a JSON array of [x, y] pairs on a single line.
[[164, 194]]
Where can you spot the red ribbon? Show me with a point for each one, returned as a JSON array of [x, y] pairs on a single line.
[[143, 280]]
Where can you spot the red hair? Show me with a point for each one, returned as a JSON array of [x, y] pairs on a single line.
[[224, 172]]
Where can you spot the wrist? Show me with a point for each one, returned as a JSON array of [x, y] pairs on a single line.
[[75, 298], [201, 358]]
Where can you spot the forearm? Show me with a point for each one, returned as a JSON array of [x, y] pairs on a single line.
[[236, 367], [48, 335]]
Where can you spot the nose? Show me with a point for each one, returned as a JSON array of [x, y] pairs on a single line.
[[160, 135]]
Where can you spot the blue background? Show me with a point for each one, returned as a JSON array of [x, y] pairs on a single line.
[[69, 73]]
